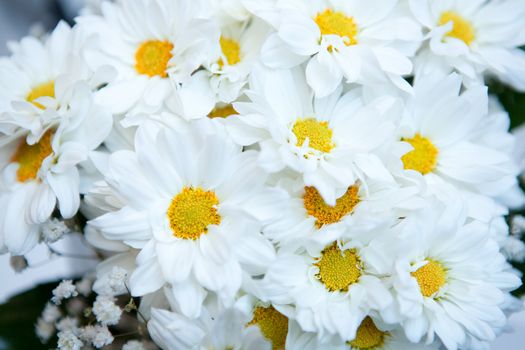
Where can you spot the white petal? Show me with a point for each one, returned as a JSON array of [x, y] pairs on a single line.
[[67, 190]]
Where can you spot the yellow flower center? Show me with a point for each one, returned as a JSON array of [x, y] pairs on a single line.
[[222, 112], [231, 50], [423, 157], [462, 29], [337, 269], [368, 336], [318, 133], [430, 277], [325, 214], [30, 157], [152, 58], [337, 23], [42, 90], [192, 211], [273, 325]]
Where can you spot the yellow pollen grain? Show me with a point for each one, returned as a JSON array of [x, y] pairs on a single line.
[[462, 29], [192, 211], [423, 157], [273, 325], [337, 23], [42, 90], [368, 336], [231, 50], [152, 58], [30, 157], [338, 270], [318, 133], [430, 277], [325, 214], [222, 112]]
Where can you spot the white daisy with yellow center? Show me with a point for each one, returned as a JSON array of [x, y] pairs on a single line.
[[328, 141], [36, 82], [340, 38], [194, 209], [443, 138], [40, 175], [443, 275], [338, 281], [153, 44], [372, 334], [472, 38], [307, 219], [238, 50], [217, 328]]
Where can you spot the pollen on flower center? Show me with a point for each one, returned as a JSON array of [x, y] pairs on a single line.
[[423, 157], [325, 214], [337, 23], [273, 325], [318, 133], [152, 58], [368, 336], [42, 90], [430, 277], [231, 50], [462, 29], [222, 112], [30, 157], [192, 211], [338, 269]]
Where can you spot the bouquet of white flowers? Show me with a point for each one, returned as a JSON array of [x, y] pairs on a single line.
[[270, 174]]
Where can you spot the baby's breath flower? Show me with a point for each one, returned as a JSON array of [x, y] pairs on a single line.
[[64, 290], [67, 340], [53, 230], [133, 345], [106, 311]]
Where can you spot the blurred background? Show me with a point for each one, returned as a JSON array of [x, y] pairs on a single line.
[[21, 301]]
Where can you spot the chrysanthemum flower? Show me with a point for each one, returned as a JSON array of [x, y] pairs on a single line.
[[194, 206], [364, 42]]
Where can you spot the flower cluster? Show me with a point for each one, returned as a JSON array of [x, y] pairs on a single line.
[[276, 174]]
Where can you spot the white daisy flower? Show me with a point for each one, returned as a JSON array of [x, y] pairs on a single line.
[[274, 322], [328, 140], [448, 138], [375, 334], [36, 82], [371, 334], [307, 219], [472, 38], [442, 282], [217, 328], [240, 44], [194, 207], [362, 42], [37, 176], [334, 288], [153, 44]]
